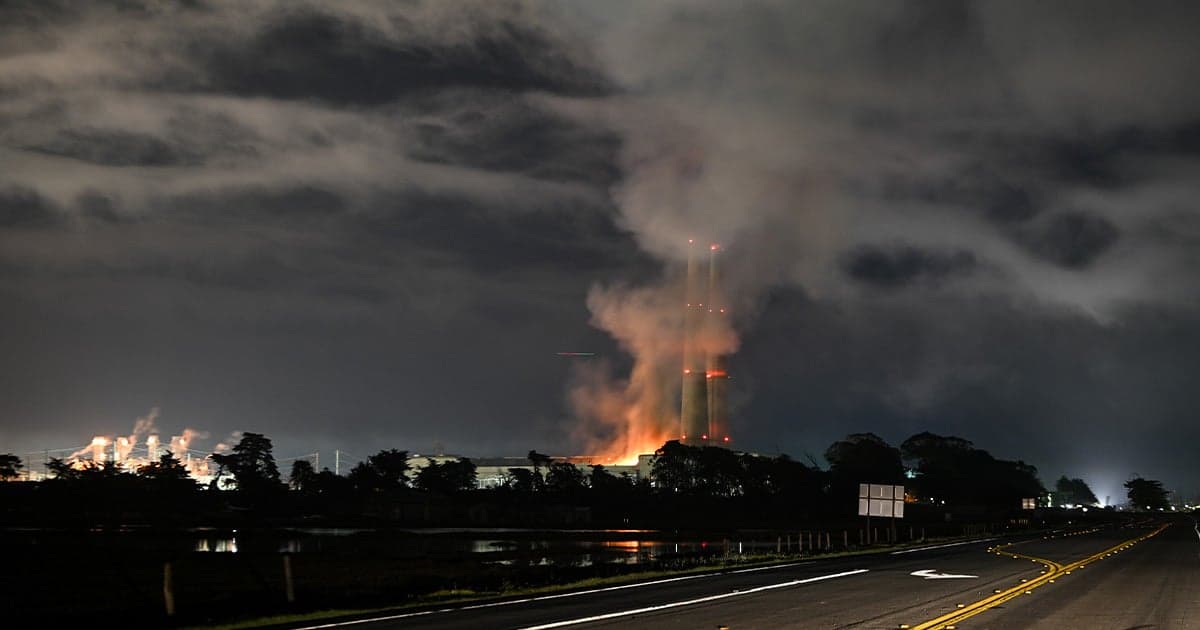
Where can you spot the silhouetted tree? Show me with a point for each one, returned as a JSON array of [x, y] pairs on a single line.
[[539, 462], [448, 477], [705, 470], [1004, 483], [951, 470], [383, 471], [927, 448], [329, 483], [167, 475], [785, 477], [10, 466], [1146, 494], [860, 458], [674, 468], [252, 465], [522, 480], [564, 478], [62, 470], [1073, 492], [945, 468], [607, 484], [302, 475]]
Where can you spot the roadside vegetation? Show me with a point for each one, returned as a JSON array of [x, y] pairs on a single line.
[[747, 508]]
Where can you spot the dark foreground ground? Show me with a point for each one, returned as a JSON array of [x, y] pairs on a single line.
[[64, 577], [1152, 583]]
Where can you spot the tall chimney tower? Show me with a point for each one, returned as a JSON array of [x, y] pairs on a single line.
[[693, 417], [716, 372]]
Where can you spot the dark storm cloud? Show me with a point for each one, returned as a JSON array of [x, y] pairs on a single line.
[[324, 56], [894, 267], [510, 135], [572, 238], [255, 206], [22, 207], [1071, 239], [116, 148], [97, 207]]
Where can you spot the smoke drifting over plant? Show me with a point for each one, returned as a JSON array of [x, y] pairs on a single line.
[[328, 222]]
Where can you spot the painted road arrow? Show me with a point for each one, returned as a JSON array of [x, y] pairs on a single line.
[[930, 574]]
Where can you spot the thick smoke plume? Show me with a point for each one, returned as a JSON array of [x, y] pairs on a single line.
[[886, 159]]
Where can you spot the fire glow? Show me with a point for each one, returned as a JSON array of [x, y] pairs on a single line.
[[621, 418]]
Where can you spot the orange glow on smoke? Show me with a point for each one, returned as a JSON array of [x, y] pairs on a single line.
[[638, 441]]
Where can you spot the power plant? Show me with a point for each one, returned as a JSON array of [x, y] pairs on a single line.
[[704, 408]]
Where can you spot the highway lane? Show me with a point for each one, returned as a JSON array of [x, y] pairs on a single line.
[[1152, 582], [837, 592], [1155, 584]]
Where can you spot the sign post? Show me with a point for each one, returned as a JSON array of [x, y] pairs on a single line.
[[885, 500]]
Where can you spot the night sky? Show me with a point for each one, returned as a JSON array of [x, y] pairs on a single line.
[[365, 225]]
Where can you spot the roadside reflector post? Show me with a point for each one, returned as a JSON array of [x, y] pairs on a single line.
[[168, 590], [845, 539], [288, 587]]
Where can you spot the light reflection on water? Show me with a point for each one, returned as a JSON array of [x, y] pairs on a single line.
[[502, 546], [632, 548], [217, 545], [519, 551]]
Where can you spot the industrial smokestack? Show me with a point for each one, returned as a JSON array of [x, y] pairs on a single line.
[[716, 373], [693, 417]]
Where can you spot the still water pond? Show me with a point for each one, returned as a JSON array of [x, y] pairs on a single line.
[[496, 546]]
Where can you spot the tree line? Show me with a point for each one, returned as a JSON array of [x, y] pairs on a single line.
[[935, 470]]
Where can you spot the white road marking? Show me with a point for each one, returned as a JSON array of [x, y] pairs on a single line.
[[773, 566], [932, 574], [699, 600], [965, 542], [509, 602]]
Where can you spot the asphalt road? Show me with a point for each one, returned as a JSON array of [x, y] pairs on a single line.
[[1153, 583]]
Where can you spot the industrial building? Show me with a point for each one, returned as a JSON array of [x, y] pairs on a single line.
[[491, 472]]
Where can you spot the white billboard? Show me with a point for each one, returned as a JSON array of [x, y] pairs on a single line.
[[885, 500]]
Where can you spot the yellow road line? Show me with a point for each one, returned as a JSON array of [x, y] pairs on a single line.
[[1053, 570]]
